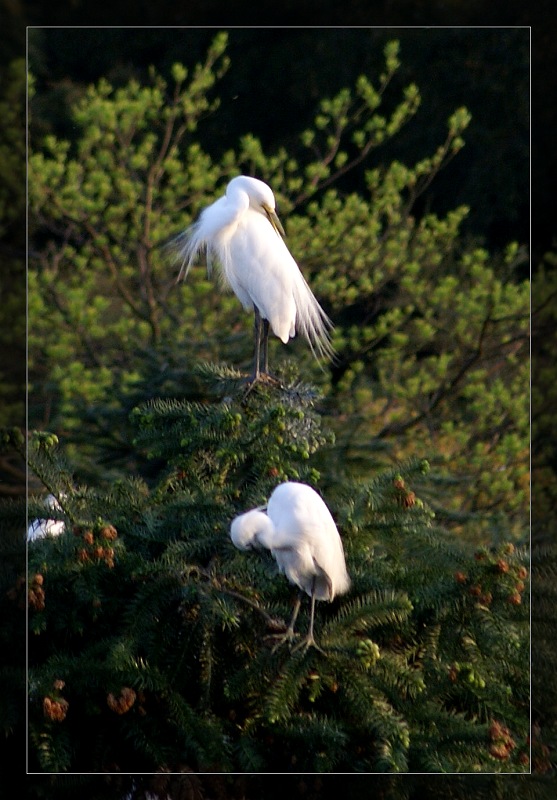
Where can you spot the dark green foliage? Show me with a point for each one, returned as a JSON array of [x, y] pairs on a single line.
[[544, 518], [158, 634], [431, 330], [160, 639], [12, 253]]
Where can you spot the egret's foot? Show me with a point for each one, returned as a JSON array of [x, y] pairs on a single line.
[[266, 377], [261, 378], [306, 643], [281, 638], [288, 637]]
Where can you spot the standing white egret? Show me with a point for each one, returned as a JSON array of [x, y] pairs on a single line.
[[303, 539], [242, 233], [43, 527]]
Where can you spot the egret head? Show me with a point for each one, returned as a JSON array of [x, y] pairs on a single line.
[[261, 198], [251, 530]]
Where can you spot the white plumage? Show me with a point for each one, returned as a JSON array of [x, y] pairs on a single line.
[[301, 534], [43, 527], [242, 234]]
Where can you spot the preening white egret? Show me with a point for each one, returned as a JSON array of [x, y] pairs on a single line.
[[242, 233], [43, 527], [301, 534]]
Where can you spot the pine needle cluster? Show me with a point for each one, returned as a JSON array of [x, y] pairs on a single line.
[[152, 645]]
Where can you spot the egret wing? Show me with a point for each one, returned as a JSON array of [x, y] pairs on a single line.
[[303, 521]]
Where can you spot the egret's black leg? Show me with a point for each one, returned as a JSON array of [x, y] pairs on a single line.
[[297, 604], [261, 350], [266, 346], [310, 638], [257, 348], [309, 641], [289, 635]]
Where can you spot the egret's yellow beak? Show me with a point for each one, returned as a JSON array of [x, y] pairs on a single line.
[[274, 220]]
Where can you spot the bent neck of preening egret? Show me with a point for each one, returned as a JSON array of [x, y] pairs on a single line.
[[252, 529], [256, 192], [246, 192]]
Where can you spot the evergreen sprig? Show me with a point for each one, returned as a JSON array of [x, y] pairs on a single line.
[[172, 635]]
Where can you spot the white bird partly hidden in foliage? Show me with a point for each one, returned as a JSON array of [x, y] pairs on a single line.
[[298, 529], [43, 527], [242, 233]]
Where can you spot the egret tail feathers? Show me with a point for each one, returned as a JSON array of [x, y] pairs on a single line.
[[186, 247], [312, 322]]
